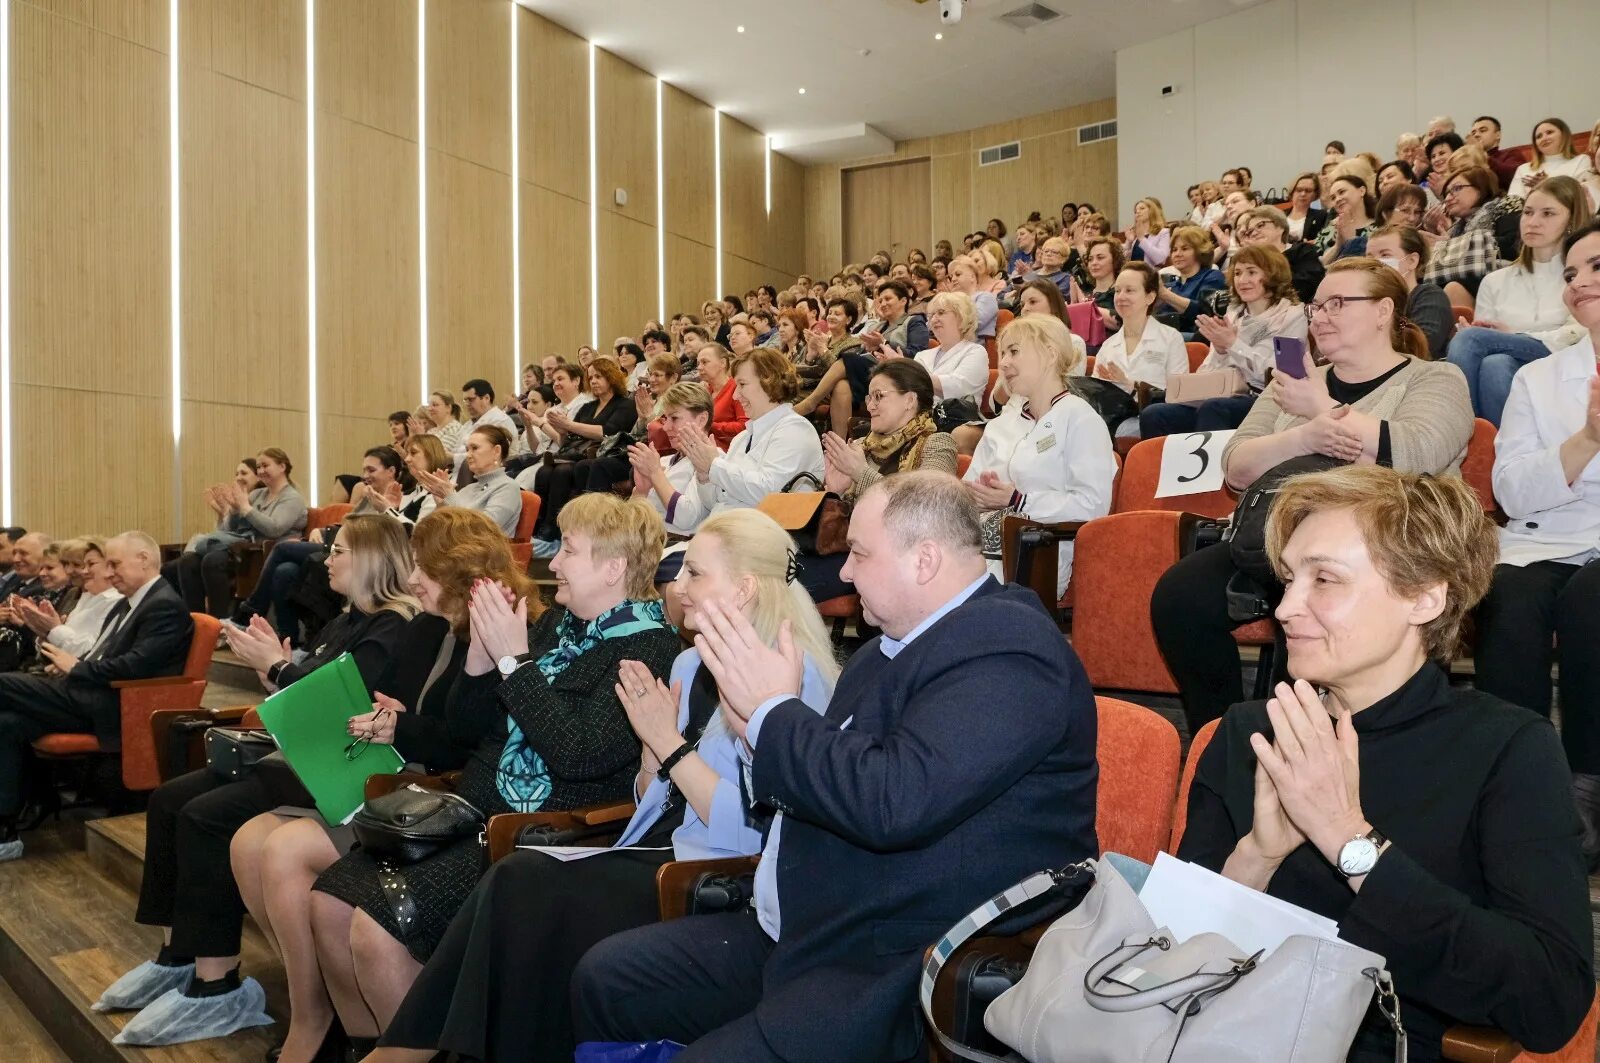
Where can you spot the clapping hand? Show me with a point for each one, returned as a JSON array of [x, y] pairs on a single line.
[[1591, 421], [437, 482], [41, 616], [415, 426], [844, 462], [991, 492], [645, 461], [695, 445], [557, 418], [393, 495], [644, 402], [1222, 333], [872, 339], [1111, 371], [379, 724], [748, 671], [498, 622], [257, 645], [1315, 768], [652, 708]]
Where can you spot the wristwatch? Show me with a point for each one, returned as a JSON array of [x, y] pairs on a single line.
[[508, 664], [1360, 854]]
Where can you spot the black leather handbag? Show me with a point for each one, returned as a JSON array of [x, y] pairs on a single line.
[[232, 752], [1251, 590], [412, 824]]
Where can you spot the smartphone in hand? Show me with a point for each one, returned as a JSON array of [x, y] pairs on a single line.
[[1289, 356]]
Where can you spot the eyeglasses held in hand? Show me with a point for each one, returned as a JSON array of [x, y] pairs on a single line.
[[359, 745]]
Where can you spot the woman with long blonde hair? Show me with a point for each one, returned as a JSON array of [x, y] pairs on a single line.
[[497, 986]]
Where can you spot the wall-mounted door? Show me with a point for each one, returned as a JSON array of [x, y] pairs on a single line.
[[886, 208]]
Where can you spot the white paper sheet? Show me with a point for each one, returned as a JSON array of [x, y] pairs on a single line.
[[1191, 463], [568, 853], [1187, 899]]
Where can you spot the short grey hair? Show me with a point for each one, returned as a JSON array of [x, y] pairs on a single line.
[[930, 505], [140, 542]]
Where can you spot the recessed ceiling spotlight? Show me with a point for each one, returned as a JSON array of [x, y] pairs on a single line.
[[938, 36], [802, 92], [741, 29]]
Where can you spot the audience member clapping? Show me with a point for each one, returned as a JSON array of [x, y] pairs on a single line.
[[1143, 350], [667, 481], [844, 363], [1148, 239], [491, 489], [964, 279], [957, 362], [1350, 196], [1188, 296], [776, 446], [204, 573], [77, 632]]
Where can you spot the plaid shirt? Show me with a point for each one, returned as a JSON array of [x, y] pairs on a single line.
[[1470, 252]]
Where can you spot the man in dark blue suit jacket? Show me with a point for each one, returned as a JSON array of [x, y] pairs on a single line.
[[145, 635], [957, 756]]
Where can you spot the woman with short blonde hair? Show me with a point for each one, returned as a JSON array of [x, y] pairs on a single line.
[[1148, 239]]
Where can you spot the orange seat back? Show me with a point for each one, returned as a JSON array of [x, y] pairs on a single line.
[[1088, 366], [1463, 314], [1115, 565], [1139, 760], [1197, 354], [528, 518], [1578, 1050], [201, 646], [1477, 468], [963, 462], [1141, 472], [1180, 815], [1002, 318], [325, 516]]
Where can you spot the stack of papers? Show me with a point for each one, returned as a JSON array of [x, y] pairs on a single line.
[[1188, 899]]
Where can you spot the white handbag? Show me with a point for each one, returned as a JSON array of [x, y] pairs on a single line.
[[1106, 985]]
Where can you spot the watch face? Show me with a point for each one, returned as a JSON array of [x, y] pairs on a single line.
[[1358, 856], [507, 665]]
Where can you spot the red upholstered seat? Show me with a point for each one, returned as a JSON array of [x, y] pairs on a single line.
[[67, 745], [841, 608], [1139, 760], [1197, 353]]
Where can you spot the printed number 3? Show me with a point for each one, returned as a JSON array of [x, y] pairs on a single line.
[[1199, 451]]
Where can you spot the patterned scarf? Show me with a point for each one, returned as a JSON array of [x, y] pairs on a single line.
[[522, 778], [906, 441]]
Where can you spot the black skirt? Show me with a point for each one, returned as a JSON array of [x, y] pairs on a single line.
[[496, 988]]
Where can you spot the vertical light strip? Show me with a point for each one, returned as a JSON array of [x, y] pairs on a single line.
[[516, 214], [422, 191], [312, 413], [766, 147], [661, 214], [716, 141], [174, 180], [5, 264], [594, 218]]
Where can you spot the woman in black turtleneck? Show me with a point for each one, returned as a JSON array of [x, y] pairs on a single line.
[[193, 989], [1434, 825]]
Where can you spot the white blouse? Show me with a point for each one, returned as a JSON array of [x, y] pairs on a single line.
[[962, 372], [1062, 466], [78, 632], [1529, 301], [683, 511], [772, 450], [1578, 168], [1161, 353]]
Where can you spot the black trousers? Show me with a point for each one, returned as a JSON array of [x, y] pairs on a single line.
[[556, 485], [606, 473], [188, 881], [498, 985], [1528, 606], [695, 980], [1189, 611], [204, 580], [32, 706]]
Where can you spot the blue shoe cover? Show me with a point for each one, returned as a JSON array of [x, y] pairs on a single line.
[[11, 850], [174, 1018], [142, 985]]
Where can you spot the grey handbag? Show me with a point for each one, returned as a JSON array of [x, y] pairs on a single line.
[[1108, 986]]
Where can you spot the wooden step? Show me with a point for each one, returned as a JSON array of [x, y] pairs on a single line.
[[229, 671], [67, 931], [115, 846], [26, 1040]]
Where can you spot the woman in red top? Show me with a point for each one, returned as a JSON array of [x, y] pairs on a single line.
[[716, 373]]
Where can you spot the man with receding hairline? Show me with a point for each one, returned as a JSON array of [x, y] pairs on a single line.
[[956, 757], [145, 635]]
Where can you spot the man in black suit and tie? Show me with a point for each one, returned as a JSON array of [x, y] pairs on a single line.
[[145, 635], [957, 756]]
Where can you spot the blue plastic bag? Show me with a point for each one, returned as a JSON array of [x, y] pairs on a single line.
[[629, 1052]]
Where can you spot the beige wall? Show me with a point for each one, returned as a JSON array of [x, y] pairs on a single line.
[[1051, 170], [91, 203]]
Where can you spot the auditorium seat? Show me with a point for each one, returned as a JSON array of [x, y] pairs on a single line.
[[1141, 473], [522, 541], [1139, 766], [1477, 468], [1180, 815], [140, 699], [1197, 353]]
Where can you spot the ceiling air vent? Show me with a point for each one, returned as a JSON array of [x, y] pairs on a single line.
[[1000, 153], [1098, 131], [1029, 17]]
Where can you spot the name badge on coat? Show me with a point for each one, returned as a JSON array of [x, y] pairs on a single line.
[[1046, 444]]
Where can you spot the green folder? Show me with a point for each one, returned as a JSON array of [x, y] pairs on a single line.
[[309, 720]]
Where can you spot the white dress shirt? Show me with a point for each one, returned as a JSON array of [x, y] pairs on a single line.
[[683, 511], [1161, 353], [962, 371], [1529, 301], [772, 450], [76, 634], [1061, 465], [1551, 520], [105, 635], [1578, 167]]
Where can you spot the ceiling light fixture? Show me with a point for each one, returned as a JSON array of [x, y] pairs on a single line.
[[802, 92], [741, 29], [938, 36]]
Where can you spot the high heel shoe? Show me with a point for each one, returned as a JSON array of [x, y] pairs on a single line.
[[332, 1050]]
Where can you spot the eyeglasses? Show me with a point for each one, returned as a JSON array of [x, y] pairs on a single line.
[[1455, 189], [1333, 306], [338, 550], [359, 746], [875, 397]]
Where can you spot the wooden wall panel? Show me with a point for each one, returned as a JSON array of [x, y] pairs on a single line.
[[469, 78], [555, 273], [259, 42], [367, 63], [217, 435], [625, 97], [952, 198], [244, 245], [344, 440], [824, 246], [786, 234], [691, 274], [740, 275], [469, 273], [886, 208], [690, 167], [141, 22], [627, 277], [367, 304], [553, 69], [120, 476], [744, 209]]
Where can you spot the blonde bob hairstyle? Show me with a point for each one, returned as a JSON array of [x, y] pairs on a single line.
[[456, 547], [629, 530], [1158, 218], [960, 304], [1049, 334], [1420, 531], [752, 546], [380, 565]]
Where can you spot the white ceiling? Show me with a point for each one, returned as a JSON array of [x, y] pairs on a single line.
[[907, 85]]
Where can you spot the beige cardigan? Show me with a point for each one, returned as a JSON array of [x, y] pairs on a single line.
[[1426, 405], [938, 455]]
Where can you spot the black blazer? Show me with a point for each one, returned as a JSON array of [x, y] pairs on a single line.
[[152, 641], [1316, 221], [968, 763]]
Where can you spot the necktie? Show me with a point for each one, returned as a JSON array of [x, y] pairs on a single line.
[[113, 623]]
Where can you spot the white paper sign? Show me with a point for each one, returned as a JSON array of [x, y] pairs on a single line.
[[1191, 463], [1188, 899]]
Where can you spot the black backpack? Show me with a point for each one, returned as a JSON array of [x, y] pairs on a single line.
[[1246, 536]]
